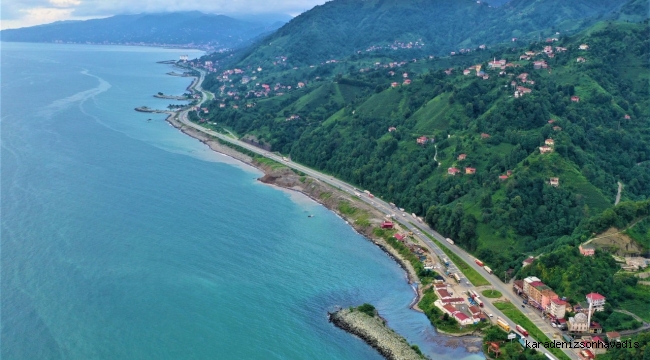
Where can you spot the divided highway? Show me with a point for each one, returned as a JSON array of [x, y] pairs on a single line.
[[504, 288]]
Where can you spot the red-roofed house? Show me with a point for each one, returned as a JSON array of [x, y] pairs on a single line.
[[422, 140], [485, 136], [597, 301], [627, 117], [575, 98], [545, 149], [449, 309], [462, 156], [549, 142], [587, 250], [453, 301], [407, 82], [551, 121], [399, 237], [387, 225], [613, 336], [470, 170], [391, 129], [443, 294], [555, 181], [463, 319], [394, 84], [528, 261], [503, 177], [452, 171]]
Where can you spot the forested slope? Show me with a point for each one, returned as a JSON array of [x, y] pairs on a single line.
[[344, 125]]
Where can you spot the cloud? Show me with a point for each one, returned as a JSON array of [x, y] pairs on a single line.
[[29, 12]]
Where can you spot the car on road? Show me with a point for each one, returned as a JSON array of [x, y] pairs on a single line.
[[490, 315], [523, 306], [403, 214]]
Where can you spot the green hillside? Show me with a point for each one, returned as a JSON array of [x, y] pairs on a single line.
[[413, 28], [361, 123]]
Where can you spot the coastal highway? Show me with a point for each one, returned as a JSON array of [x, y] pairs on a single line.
[[403, 218]]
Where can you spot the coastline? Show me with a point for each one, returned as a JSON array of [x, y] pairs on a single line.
[[287, 179], [330, 197]]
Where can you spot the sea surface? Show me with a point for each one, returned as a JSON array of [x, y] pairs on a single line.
[[123, 238]]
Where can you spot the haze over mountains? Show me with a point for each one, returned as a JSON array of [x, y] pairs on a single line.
[[180, 28]]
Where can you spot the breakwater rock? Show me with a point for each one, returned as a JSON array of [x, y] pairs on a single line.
[[375, 333]]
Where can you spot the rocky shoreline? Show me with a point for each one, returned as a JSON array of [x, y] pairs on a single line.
[[375, 333]]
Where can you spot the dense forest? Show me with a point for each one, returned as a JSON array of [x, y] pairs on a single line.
[[360, 122], [344, 27]]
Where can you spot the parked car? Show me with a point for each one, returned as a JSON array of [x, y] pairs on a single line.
[[490, 315], [523, 306]]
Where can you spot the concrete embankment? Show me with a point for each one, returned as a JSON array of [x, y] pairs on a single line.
[[375, 333]]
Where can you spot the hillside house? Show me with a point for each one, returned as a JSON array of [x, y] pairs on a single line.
[[524, 57], [575, 98], [613, 336], [449, 71], [545, 149], [524, 90], [560, 49], [530, 53], [222, 106], [587, 249], [541, 64], [554, 181], [301, 85], [467, 71], [549, 142], [407, 82], [627, 117], [503, 177], [405, 75], [462, 156], [523, 77], [597, 301], [509, 172], [470, 171], [387, 225], [548, 50], [584, 47], [528, 261], [551, 121], [422, 140], [497, 64], [557, 128], [394, 85], [581, 59], [453, 171], [485, 136], [391, 129]]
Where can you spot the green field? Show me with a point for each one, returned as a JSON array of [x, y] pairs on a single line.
[[492, 294], [519, 318]]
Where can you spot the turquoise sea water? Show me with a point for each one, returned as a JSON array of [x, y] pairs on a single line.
[[124, 239]]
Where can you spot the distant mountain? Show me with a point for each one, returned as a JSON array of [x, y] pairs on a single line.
[[165, 28], [340, 28]]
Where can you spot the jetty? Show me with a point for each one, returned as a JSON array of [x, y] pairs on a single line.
[[172, 97], [150, 110], [373, 330]]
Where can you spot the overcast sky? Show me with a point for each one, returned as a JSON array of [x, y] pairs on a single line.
[[21, 13]]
